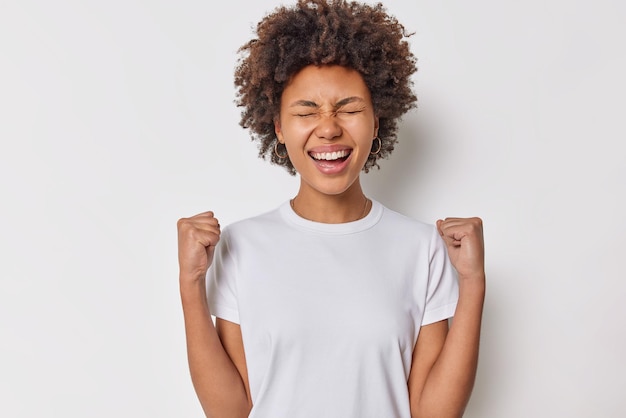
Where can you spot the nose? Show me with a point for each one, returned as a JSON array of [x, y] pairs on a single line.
[[328, 127]]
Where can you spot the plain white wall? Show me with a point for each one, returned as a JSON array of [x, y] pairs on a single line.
[[117, 118]]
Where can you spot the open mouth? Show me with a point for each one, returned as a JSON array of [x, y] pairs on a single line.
[[336, 156]]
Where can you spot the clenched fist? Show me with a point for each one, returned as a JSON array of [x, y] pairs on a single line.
[[197, 238], [466, 249]]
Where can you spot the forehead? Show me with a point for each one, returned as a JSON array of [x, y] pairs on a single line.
[[325, 83]]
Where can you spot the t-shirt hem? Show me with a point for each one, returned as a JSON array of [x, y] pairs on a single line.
[[439, 314]]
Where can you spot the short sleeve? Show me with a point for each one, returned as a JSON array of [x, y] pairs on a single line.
[[443, 287], [222, 282]]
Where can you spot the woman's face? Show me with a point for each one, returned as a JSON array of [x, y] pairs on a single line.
[[327, 124]]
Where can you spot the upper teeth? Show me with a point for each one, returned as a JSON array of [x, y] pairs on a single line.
[[330, 155]]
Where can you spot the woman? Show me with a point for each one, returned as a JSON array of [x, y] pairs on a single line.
[[331, 305]]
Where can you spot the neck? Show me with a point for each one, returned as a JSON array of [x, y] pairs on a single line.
[[333, 209]]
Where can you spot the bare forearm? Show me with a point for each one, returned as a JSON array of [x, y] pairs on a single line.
[[449, 384], [217, 382]]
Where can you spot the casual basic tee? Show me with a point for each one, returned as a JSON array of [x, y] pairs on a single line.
[[330, 313]]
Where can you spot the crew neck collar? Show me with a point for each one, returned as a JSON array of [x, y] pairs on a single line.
[[362, 224]]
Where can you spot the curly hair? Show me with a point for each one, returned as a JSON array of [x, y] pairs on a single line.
[[325, 32]]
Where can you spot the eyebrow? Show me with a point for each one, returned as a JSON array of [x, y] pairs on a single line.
[[305, 103], [340, 103], [348, 100]]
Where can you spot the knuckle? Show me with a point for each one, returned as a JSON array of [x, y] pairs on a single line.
[[186, 227]]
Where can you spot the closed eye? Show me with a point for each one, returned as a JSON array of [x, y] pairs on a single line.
[[349, 112]]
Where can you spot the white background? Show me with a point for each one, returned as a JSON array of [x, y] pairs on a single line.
[[117, 118]]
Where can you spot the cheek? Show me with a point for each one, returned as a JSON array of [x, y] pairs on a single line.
[[365, 129], [298, 130]]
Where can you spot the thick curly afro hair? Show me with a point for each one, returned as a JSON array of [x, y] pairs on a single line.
[[325, 32]]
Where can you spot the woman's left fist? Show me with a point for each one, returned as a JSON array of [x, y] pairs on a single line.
[[466, 247]]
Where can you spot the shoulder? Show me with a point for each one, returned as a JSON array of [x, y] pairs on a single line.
[[252, 225]]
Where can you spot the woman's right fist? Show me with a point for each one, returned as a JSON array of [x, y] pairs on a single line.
[[197, 238]]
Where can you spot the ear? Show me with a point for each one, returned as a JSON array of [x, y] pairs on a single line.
[[278, 130], [376, 125]]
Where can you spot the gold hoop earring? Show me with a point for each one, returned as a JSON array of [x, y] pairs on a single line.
[[380, 145], [282, 157]]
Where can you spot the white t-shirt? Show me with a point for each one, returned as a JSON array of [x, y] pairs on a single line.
[[330, 313]]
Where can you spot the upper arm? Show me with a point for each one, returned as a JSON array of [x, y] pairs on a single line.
[[232, 341], [427, 349]]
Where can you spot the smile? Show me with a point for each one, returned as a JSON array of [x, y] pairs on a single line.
[[330, 156]]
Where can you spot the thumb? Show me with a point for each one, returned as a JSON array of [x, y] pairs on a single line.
[[438, 224], [450, 237]]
